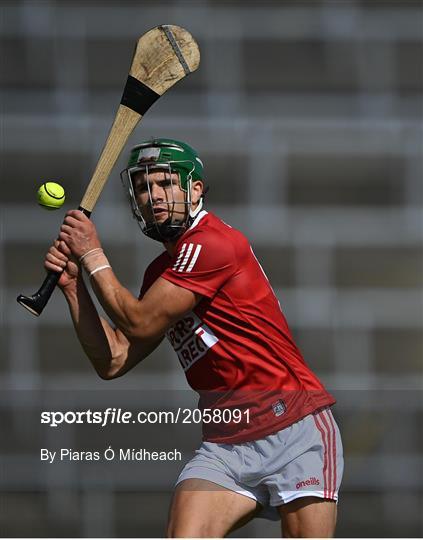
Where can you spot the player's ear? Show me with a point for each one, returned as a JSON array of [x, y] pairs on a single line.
[[197, 189]]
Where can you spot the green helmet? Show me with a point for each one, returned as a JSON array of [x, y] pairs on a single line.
[[179, 155], [171, 156]]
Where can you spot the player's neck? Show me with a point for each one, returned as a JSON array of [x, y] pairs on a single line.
[[171, 246]]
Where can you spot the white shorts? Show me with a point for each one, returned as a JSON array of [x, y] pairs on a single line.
[[302, 460]]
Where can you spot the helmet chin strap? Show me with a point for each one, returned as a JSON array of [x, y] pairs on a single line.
[[170, 232], [165, 232]]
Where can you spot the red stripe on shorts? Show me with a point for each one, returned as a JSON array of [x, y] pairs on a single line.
[[330, 445], [332, 423], [325, 458]]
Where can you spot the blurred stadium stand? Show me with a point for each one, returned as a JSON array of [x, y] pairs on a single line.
[[308, 117]]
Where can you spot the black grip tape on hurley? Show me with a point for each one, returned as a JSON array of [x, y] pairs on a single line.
[[137, 96]]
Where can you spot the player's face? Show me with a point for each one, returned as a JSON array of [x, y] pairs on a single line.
[[159, 196]]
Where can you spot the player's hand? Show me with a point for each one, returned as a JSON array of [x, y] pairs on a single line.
[[79, 233], [59, 259]]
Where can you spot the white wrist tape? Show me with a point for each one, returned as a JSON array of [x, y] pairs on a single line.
[[94, 260], [99, 268], [88, 253]]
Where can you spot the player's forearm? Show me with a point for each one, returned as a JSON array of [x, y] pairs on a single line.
[[124, 309], [96, 336], [119, 304]]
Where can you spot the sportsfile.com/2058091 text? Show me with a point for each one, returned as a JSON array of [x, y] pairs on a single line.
[[113, 415]]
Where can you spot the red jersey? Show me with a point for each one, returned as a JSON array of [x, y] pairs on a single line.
[[235, 346]]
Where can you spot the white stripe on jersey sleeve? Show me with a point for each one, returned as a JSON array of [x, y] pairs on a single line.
[[184, 262], [194, 257], [181, 253]]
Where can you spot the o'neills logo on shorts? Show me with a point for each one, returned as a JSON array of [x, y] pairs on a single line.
[[191, 339], [313, 481]]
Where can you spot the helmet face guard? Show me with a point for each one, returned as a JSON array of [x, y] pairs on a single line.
[[179, 165]]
